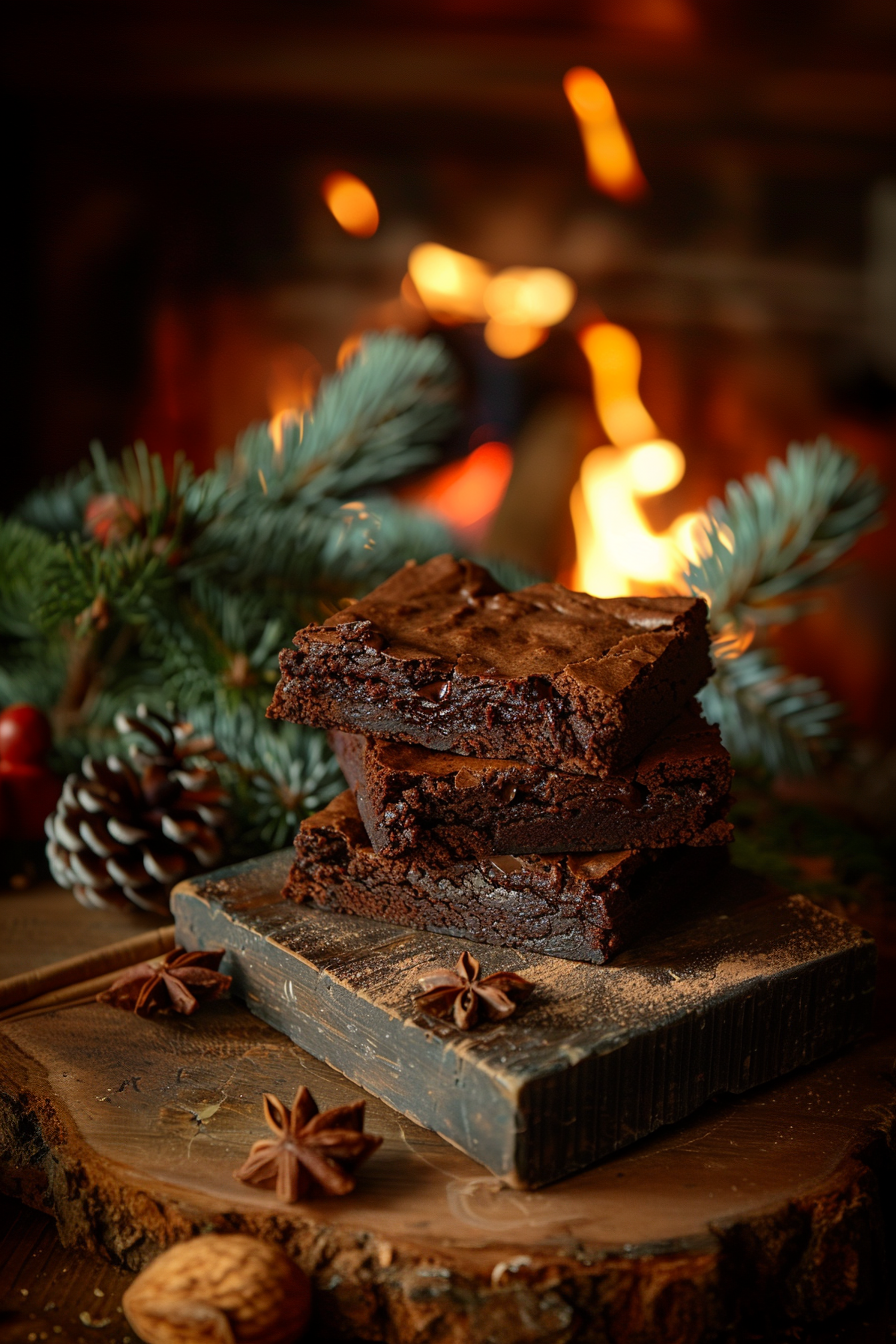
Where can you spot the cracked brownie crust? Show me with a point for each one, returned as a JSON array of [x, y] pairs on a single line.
[[442, 656], [675, 793], [582, 907]]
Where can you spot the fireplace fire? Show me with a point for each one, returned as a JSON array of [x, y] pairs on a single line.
[[616, 549]]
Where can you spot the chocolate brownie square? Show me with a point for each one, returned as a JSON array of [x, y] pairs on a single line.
[[442, 656], [581, 907], [408, 797]]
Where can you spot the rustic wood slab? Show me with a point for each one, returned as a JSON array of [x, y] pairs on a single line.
[[766, 1205], [729, 994]]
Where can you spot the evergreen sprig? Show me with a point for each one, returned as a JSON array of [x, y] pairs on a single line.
[[766, 713], [123, 583], [776, 534], [774, 540]]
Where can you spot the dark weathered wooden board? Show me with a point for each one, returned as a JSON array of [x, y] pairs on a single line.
[[724, 997]]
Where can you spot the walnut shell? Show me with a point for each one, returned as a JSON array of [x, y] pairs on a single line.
[[220, 1290]]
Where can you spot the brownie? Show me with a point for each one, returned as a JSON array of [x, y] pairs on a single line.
[[675, 793], [582, 907], [441, 655]]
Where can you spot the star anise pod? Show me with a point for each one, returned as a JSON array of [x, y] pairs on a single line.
[[178, 983], [312, 1151], [461, 994]]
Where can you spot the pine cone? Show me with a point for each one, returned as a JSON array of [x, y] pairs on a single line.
[[128, 831]]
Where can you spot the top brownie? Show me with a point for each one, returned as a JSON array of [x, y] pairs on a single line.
[[440, 654]]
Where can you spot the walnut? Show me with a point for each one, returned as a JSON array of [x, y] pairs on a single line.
[[220, 1290]]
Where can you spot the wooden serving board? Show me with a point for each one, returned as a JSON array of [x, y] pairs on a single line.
[[728, 994]]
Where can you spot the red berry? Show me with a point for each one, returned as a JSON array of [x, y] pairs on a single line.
[[111, 518], [31, 792], [25, 736]]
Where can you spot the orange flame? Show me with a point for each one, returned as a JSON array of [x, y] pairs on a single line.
[[529, 296], [617, 551], [466, 493], [732, 641], [348, 349], [292, 384], [510, 340], [517, 305], [450, 284], [293, 380], [615, 359], [612, 163], [352, 204]]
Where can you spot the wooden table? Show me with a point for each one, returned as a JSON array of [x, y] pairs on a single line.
[[51, 1292]]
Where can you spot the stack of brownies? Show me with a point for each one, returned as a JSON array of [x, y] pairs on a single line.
[[529, 769]]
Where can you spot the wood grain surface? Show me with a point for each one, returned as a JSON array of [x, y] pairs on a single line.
[[52, 1292], [766, 1208]]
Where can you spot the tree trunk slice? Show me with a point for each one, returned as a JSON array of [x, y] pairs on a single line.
[[764, 1206]]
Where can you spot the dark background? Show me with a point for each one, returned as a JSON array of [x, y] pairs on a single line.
[[170, 269]]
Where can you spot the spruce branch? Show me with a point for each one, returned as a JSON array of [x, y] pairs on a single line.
[[303, 543], [86, 584], [379, 418], [777, 534], [26, 555], [125, 584], [158, 502], [58, 509], [767, 713], [298, 774], [32, 663]]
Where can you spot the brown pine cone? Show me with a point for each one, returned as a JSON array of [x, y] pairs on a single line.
[[128, 831]]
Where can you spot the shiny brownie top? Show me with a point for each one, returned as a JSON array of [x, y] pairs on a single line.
[[455, 611]]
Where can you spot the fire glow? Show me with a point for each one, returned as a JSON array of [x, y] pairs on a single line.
[[450, 284], [612, 163], [617, 550], [351, 203], [467, 493], [518, 305]]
